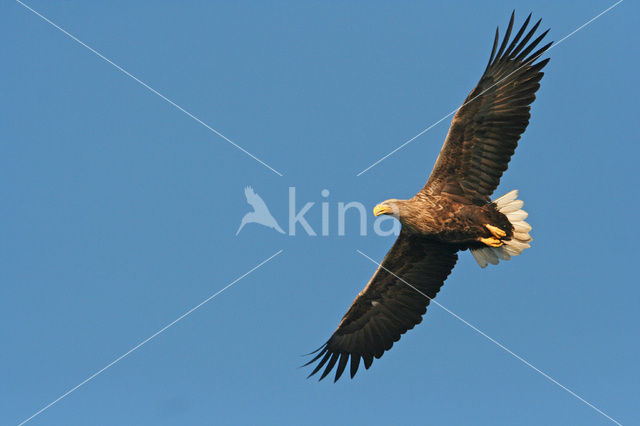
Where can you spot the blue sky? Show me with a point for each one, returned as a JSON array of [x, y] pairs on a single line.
[[119, 213]]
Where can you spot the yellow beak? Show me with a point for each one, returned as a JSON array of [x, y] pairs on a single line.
[[382, 209]]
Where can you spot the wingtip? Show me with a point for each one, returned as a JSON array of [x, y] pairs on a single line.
[[321, 358], [526, 21], [316, 351]]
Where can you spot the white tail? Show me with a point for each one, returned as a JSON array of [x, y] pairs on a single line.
[[510, 206]]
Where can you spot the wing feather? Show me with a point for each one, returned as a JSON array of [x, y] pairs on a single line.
[[485, 131], [388, 307]]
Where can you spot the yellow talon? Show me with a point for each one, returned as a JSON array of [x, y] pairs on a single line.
[[491, 242], [497, 232]]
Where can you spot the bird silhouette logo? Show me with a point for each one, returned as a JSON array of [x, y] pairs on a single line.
[[260, 213]]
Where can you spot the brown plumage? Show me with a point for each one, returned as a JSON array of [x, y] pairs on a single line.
[[451, 212]]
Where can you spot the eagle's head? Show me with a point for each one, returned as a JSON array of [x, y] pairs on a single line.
[[389, 207]]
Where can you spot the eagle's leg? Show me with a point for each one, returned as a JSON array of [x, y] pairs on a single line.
[[497, 232], [495, 240], [491, 241]]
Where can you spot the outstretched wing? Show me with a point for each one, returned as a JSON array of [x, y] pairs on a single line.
[[485, 131], [389, 305], [255, 200]]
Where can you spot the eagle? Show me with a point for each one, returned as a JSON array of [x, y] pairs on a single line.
[[452, 212]]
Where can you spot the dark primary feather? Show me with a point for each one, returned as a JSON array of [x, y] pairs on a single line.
[[485, 131], [387, 307]]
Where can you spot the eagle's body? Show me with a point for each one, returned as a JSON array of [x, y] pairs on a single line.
[[450, 221], [452, 212]]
